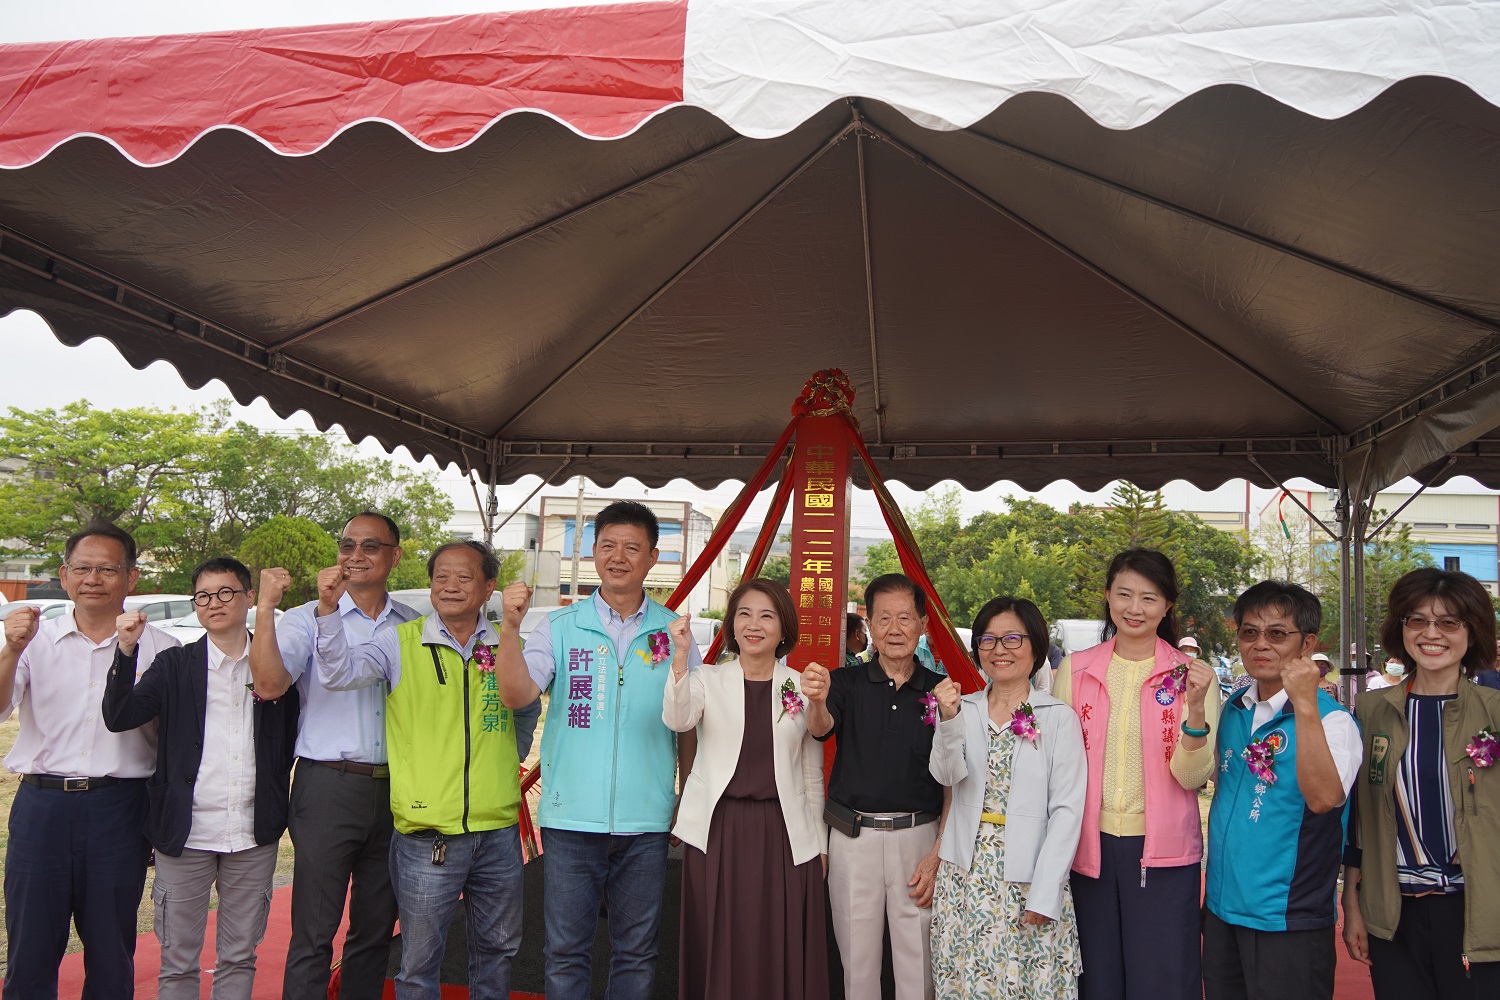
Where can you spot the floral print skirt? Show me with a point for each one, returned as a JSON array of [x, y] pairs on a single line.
[[980, 947]]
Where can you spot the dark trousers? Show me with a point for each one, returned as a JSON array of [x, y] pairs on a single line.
[[341, 828], [74, 857], [1241, 963], [1425, 959], [1138, 942]]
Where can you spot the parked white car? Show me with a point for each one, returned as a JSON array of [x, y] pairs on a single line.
[[187, 629]]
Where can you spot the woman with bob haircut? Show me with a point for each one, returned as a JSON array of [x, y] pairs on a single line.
[[1003, 923], [1147, 726], [1422, 867], [751, 816]]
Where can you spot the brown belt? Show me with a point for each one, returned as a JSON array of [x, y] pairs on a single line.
[[352, 767]]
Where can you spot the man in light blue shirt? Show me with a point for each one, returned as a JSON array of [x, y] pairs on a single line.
[[340, 811], [609, 764]]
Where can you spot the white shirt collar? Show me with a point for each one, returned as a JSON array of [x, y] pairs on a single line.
[[217, 658], [1250, 697]]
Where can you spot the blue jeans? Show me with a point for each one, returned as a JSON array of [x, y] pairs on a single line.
[[629, 873], [485, 868]]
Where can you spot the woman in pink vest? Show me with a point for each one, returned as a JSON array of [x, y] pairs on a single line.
[[1147, 720]]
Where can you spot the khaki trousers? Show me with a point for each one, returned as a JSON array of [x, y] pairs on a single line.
[[243, 879], [867, 889]]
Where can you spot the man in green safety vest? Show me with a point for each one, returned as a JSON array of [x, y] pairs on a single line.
[[454, 755]]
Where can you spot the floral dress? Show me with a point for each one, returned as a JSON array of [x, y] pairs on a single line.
[[980, 948]]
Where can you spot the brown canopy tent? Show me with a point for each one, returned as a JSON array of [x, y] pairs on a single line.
[[1233, 288]]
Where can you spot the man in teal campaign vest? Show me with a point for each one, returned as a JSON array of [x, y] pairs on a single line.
[[609, 765], [1288, 754], [454, 761]]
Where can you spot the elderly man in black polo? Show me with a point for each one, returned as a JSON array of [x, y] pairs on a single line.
[[884, 809]]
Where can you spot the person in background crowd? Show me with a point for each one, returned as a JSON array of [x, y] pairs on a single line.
[[883, 805], [1391, 677], [1190, 648], [753, 911], [341, 798], [1328, 677], [1003, 924], [77, 848], [1422, 875], [856, 639], [455, 766], [1489, 678], [219, 794], [609, 766], [1288, 754], [1146, 725]]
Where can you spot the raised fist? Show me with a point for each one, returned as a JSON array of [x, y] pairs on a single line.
[[332, 582], [128, 629], [948, 695], [20, 627], [1200, 680], [681, 632], [514, 600], [274, 583], [1300, 678], [815, 682]]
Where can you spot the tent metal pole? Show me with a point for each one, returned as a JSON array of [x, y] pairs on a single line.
[[864, 225], [492, 508], [1360, 517], [545, 480], [1415, 493]]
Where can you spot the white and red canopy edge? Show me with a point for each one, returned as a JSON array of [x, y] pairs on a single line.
[[761, 66]]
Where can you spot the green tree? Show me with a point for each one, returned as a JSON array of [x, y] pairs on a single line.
[[296, 544], [778, 568]]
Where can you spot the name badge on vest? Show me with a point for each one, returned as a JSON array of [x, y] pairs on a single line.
[[1380, 748]]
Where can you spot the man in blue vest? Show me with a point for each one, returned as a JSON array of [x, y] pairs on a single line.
[[609, 765], [1288, 754]]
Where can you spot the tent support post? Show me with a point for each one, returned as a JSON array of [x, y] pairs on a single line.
[[1415, 493], [492, 506], [864, 225], [1359, 511]]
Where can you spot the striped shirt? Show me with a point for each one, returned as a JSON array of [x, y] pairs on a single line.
[[1426, 845]]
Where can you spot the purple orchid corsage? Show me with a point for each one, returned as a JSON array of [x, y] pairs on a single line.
[[1260, 757], [1173, 684], [1483, 747], [930, 709], [661, 646], [791, 701], [1023, 723], [484, 658]]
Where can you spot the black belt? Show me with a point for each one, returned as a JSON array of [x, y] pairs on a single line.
[[896, 822], [69, 784], [353, 767]]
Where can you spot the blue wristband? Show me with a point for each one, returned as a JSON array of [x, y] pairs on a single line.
[[1198, 733]]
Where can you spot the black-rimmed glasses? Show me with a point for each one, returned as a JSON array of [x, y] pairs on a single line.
[[1012, 641], [224, 594]]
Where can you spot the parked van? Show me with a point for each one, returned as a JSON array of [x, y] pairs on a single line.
[[1072, 634]]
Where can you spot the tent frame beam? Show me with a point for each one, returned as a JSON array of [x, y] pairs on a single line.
[[167, 317], [864, 226], [682, 272], [506, 242], [1265, 242], [924, 160], [1482, 375]]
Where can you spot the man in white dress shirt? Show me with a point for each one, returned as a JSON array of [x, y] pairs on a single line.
[[77, 850]]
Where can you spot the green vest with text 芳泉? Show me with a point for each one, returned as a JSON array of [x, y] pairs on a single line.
[[453, 760]]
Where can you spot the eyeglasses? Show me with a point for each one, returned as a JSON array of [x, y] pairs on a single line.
[[1446, 625], [368, 546], [1011, 641], [904, 620], [106, 571], [1249, 634], [224, 594]]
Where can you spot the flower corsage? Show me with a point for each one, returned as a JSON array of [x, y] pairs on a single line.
[[1023, 723], [930, 709], [1173, 684], [484, 658], [791, 701], [661, 646], [1260, 757], [1483, 747]]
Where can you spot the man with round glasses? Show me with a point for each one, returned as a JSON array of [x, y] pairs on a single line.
[[341, 810], [77, 851], [1287, 755]]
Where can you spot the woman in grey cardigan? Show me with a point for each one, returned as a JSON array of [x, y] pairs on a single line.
[[1002, 916]]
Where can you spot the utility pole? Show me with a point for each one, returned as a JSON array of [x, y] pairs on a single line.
[[577, 542]]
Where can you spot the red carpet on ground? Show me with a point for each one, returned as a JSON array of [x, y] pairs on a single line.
[[1351, 982]]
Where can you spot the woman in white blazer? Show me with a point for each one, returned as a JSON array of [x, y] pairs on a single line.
[[751, 815], [1002, 913]]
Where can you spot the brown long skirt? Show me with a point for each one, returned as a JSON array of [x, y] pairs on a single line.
[[753, 924]]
